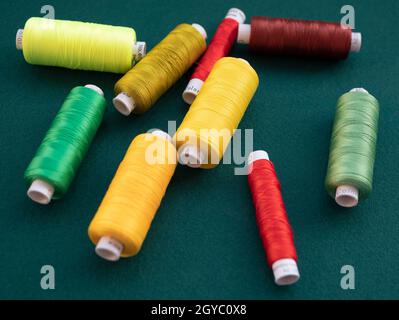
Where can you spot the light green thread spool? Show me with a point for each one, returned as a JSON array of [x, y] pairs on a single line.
[[59, 156], [353, 143]]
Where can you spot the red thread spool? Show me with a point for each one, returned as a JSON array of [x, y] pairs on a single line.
[[299, 38], [271, 216], [219, 47]]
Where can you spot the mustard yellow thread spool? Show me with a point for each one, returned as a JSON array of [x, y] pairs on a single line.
[[134, 196], [142, 86], [212, 119]]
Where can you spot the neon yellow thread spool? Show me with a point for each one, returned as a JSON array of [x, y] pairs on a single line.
[[79, 45]]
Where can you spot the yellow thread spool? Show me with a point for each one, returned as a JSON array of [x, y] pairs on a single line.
[[79, 45], [206, 130], [130, 204], [142, 86]]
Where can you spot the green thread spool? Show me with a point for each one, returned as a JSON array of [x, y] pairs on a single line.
[[62, 150], [353, 143]]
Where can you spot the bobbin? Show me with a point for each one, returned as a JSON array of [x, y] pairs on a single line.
[[194, 86], [95, 88], [244, 36], [347, 196], [42, 191], [257, 155], [108, 247], [162, 134], [18, 39], [285, 271], [200, 29], [139, 48], [124, 103], [191, 156]]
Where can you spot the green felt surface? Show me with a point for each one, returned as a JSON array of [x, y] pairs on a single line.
[[204, 241]]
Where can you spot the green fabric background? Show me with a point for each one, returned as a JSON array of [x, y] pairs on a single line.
[[204, 241]]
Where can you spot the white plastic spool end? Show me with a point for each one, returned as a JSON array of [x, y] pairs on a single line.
[[191, 156], [95, 88], [236, 14], [356, 42], [347, 196], [18, 39], [41, 191], [109, 249], [244, 61], [285, 272], [244, 33], [124, 103], [257, 155], [163, 134], [139, 50], [359, 90], [200, 30], [192, 90]]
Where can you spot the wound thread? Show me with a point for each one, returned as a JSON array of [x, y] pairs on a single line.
[[78, 45], [143, 85], [271, 216], [124, 217], [66, 143], [219, 47], [296, 37], [350, 169], [212, 119]]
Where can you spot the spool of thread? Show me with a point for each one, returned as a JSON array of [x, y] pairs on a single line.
[[299, 38], [207, 128], [352, 152], [62, 150], [271, 216], [142, 86], [219, 47], [134, 196], [79, 45]]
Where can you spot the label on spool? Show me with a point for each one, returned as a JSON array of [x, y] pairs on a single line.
[[139, 51], [285, 272], [19, 38], [192, 90], [356, 42], [109, 249], [347, 196]]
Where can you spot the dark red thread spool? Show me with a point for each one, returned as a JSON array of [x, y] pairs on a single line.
[[219, 47], [295, 37], [274, 227]]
